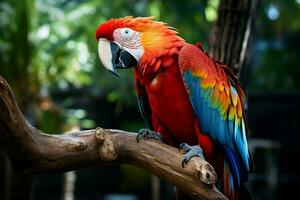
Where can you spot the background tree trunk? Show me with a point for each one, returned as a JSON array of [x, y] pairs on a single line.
[[232, 33], [16, 69]]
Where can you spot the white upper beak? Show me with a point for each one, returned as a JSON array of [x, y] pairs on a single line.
[[105, 54]]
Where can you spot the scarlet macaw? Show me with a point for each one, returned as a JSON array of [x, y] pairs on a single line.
[[184, 95]]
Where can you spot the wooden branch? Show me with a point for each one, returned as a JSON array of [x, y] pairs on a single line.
[[32, 151]]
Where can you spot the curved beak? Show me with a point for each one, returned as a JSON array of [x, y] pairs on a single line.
[[112, 56]]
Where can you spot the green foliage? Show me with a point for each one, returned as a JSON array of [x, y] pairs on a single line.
[[51, 121], [61, 33], [50, 45]]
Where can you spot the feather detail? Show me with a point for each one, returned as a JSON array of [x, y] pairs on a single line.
[[234, 95], [167, 61], [157, 65], [232, 112], [152, 61], [228, 182], [221, 87]]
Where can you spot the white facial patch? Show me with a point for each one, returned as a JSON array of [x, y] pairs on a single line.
[[129, 40]]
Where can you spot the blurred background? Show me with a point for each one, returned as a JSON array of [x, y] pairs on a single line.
[[48, 55]]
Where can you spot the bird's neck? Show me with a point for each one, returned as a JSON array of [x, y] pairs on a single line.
[[148, 68]]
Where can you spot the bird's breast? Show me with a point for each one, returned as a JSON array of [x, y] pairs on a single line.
[[170, 102]]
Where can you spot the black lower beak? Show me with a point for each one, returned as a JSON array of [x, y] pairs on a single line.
[[113, 56], [121, 58]]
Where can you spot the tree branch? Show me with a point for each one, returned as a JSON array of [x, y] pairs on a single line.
[[32, 151]]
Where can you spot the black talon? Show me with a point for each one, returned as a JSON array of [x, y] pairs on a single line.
[[147, 133], [190, 151], [183, 162]]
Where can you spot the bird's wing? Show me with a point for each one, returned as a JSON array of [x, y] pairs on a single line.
[[217, 98]]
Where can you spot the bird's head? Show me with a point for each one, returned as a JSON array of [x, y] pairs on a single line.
[[134, 42]]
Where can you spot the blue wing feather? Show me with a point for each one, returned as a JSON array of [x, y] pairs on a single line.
[[216, 97], [229, 133]]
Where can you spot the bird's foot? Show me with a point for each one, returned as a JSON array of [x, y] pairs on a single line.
[[190, 151], [145, 133]]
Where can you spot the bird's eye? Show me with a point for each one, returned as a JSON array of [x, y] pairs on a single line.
[[126, 32]]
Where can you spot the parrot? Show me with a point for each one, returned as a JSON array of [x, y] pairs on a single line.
[[187, 98]]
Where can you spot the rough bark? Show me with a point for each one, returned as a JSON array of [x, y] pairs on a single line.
[[231, 34], [32, 151]]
